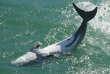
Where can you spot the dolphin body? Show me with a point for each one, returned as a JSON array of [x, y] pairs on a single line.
[[36, 54]]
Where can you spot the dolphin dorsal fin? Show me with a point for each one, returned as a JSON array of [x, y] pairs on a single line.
[[33, 48], [38, 45]]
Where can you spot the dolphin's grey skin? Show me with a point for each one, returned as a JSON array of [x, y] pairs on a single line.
[[65, 45]]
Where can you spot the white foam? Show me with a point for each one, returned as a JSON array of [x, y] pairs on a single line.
[[87, 6], [101, 20]]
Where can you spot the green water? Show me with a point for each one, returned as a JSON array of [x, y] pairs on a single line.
[[25, 23]]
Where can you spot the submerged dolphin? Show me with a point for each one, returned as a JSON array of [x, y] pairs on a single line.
[[35, 53]]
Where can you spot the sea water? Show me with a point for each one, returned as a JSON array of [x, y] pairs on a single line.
[[26, 23]]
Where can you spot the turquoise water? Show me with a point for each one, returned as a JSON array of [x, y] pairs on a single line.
[[23, 24]]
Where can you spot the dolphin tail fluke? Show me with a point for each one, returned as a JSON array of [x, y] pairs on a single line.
[[86, 15]]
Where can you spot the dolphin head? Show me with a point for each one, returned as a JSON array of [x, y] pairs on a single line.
[[28, 57]]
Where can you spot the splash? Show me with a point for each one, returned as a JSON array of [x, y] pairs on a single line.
[[102, 18], [100, 24]]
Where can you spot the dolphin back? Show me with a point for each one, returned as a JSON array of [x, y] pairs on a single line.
[[86, 15]]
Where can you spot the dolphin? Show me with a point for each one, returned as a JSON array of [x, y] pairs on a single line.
[[37, 53]]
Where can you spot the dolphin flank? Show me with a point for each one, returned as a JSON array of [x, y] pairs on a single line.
[[36, 53]]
